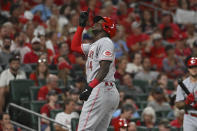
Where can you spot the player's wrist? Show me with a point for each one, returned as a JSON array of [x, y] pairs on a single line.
[[94, 83]]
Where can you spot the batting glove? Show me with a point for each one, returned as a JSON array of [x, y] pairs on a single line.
[[85, 93], [83, 18], [190, 98]]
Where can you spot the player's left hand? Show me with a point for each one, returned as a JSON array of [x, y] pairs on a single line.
[[189, 99], [84, 95]]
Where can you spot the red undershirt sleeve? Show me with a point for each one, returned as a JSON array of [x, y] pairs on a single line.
[[76, 41]]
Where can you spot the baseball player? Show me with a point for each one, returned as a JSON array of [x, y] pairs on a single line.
[[101, 96], [189, 102]]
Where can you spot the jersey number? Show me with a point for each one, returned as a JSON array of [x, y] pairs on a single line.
[[90, 65]]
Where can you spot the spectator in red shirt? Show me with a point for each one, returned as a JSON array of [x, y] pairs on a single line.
[[168, 36], [178, 122], [157, 52], [135, 40], [46, 108], [120, 72], [41, 71], [166, 21], [148, 23], [33, 56], [182, 50], [126, 114], [52, 84], [65, 53], [63, 70]]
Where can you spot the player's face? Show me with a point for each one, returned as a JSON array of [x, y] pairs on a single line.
[[97, 28], [193, 72]]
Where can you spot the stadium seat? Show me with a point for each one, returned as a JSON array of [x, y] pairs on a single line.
[[34, 92], [140, 111], [36, 106], [142, 97], [42, 82], [55, 72], [174, 129], [162, 114], [74, 124], [142, 84], [141, 128], [135, 119], [33, 66], [53, 113], [170, 85], [20, 89], [110, 128], [141, 104], [155, 129]]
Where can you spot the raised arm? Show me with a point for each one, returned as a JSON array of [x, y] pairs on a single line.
[[76, 41]]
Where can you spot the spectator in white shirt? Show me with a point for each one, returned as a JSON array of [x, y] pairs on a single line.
[[136, 65], [66, 116], [7, 75]]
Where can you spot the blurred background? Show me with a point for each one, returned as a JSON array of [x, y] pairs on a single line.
[[40, 73]]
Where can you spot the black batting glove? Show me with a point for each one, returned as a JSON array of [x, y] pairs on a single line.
[[83, 18], [84, 95]]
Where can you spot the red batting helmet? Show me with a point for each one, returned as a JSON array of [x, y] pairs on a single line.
[[108, 25], [192, 62]]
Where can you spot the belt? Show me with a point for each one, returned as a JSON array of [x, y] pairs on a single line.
[[192, 114]]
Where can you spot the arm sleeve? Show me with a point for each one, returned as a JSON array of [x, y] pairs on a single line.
[[106, 50], [179, 94], [85, 48], [76, 41]]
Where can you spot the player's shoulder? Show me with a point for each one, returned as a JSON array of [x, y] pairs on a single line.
[[105, 41], [186, 80]]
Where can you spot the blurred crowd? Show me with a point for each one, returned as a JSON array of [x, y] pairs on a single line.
[[35, 39]]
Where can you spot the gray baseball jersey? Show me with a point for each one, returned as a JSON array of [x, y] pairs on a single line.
[[189, 123], [97, 111], [103, 49]]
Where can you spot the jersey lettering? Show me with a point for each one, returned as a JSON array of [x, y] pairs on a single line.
[[91, 53], [90, 65]]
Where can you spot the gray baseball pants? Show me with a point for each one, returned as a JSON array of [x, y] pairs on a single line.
[[97, 111], [189, 123]]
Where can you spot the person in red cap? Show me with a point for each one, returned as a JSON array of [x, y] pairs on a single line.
[[182, 49], [189, 101], [124, 118]]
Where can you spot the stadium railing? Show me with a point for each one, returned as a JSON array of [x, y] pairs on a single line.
[[35, 114]]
